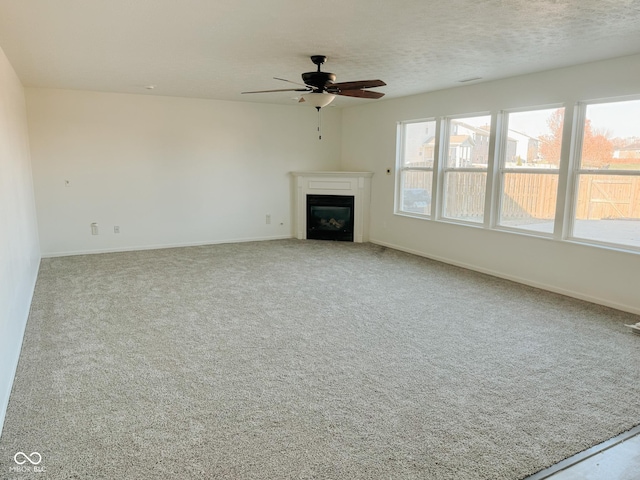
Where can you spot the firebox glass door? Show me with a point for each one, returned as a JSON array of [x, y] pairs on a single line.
[[330, 217]]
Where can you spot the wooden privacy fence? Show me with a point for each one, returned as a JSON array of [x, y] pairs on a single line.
[[529, 195], [464, 194], [533, 195], [604, 196]]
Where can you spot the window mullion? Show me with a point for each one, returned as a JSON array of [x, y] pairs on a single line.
[[496, 147], [441, 145], [569, 168], [400, 168]]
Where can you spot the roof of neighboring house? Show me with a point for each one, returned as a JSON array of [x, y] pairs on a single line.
[[455, 140], [626, 148], [484, 130], [524, 135]]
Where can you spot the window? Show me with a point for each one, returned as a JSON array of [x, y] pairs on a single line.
[[530, 163], [451, 169], [417, 146], [607, 177], [464, 175]]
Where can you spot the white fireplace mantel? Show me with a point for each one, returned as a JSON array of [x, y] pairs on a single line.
[[357, 184]]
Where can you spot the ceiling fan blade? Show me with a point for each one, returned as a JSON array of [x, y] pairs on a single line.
[[282, 90], [289, 81], [360, 93], [357, 85]]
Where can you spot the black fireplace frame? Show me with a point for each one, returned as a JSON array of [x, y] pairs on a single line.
[[341, 206]]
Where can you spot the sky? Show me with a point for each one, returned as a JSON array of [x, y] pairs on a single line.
[[533, 123], [620, 119]]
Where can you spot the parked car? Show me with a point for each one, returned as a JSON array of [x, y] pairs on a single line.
[[415, 200]]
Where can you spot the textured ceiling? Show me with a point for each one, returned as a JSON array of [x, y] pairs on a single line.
[[216, 49]]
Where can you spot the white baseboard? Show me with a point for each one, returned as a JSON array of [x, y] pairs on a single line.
[[514, 278]]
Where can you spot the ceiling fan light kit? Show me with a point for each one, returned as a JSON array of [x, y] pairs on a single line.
[[318, 100]]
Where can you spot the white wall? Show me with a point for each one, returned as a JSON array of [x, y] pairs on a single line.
[[369, 143], [167, 171], [19, 249]]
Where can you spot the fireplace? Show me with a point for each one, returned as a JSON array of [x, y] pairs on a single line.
[[322, 217], [330, 217]]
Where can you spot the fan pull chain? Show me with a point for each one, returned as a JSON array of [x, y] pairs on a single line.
[[319, 124]]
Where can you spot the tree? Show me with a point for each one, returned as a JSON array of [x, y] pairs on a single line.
[[597, 149], [551, 143]]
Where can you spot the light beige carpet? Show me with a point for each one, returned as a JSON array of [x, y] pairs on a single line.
[[309, 359]]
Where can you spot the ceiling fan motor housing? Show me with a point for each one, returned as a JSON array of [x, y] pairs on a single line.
[[318, 80]]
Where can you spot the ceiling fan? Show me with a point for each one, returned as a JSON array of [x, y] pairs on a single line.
[[320, 87]]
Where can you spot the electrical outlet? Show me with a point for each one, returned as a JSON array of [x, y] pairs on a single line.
[[268, 219], [67, 183], [116, 229], [94, 228]]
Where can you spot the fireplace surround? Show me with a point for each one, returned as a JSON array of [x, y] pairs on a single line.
[[332, 187]]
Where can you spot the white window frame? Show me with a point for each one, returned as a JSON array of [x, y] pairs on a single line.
[[502, 134], [443, 168], [576, 171], [401, 168]]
